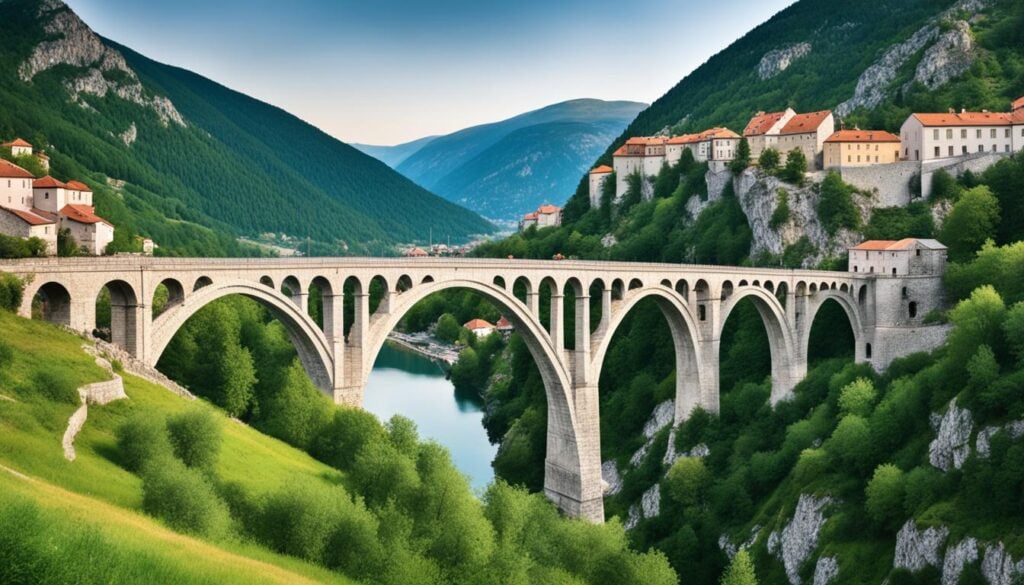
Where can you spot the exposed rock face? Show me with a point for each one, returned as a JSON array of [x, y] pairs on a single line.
[[649, 507], [758, 195], [982, 442], [917, 549], [999, 568], [948, 58], [952, 445], [105, 70], [957, 557], [826, 570], [130, 135], [800, 537], [662, 417], [611, 478], [730, 549], [778, 60]]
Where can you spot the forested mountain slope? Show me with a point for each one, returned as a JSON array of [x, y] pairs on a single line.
[[507, 168], [196, 150], [393, 155]]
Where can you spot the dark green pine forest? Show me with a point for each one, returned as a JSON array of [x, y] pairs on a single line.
[[239, 167]]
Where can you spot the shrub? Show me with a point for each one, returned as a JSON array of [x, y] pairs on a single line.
[[349, 430], [12, 290], [885, 494], [380, 473], [812, 464], [140, 439], [448, 328], [835, 207], [1013, 328], [851, 442], [943, 186], [781, 213], [740, 571], [742, 160], [299, 520], [769, 160], [183, 498], [972, 221], [55, 385], [195, 437], [796, 167], [857, 397], [687, 481], [923, 487], [6, 355]]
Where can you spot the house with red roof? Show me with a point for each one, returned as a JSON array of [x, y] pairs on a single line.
[[546, 216], [808, 133], [640, 154], [504, 325], [909, 256], [934, 136], [18, 217], [18, 146], [71, 204], [479, 327], [762, 131], [857, 148], [598, 175]]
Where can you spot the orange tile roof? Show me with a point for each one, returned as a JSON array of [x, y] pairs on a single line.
[[804, 123], [17, 142], [82, 214], [504, 323], [1018, 104], [683, 139], [42, 155], [702, 136], [620, 151], [722, 133], [78, 186], [965, 119], [904, 244], [548, 209], [862, 136], [478, 324], [10, 170], [28, 217], [48, 182], [530, 216], [601, 170], [762, 122]]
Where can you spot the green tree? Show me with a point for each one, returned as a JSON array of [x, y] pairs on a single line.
[[448, 328], [796, 167], [66, 244], [769, 160], [857, 397], [183, 498], [944, 186], [973, 220], [781, 214], [1013, 327], [851, 442], [742, 160], [885, 495], [195, 436], [349, 430], [740, 571], [687, 480], [835, 206], [976, 321], [12, 290], [140, 439]]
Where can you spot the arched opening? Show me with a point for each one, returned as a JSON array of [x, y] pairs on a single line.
[[574, 300], [833, 287], [814, 288], [782, 293], [267, 281], [202, 282], [547, 292], [598, 299], [768, 286], [404, 283], [52, 302], [117, 317], [701, 293], [727, 289], [427, 280], [801, 288], [912, 309], [756, 283], [894, 272], [635, 284], [321, 305], [618, 289], [522, 289], [499, 282], [755, 342], [380, 294], [666, 283], [168, 294], [292, 288], [844, 288], [831, 334], [683, 288], [862, 295], [354, 301], [743, 283]]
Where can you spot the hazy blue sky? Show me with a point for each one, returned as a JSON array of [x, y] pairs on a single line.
[[388, 71]]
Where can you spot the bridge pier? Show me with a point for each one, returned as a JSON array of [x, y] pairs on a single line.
[[572, 467]]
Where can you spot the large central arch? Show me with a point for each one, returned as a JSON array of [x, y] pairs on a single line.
[[691, 385], [565, 463], [781, 344], [310, 343], [853, 313]]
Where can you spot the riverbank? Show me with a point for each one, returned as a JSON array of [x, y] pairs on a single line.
[[427, 346]]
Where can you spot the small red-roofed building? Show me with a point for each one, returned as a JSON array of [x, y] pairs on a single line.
[[18, 147], [90, 231], [856, 148], [529, 220], [549, 216], [22, 223], [78, 193], [415, 253], [598, 175], [15, 186], [49, 194], [762, 131], [906, 257], [640, 154], [807, 132], [504, 325], [479, 327]]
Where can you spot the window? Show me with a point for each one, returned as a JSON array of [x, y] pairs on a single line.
[[994, 148], [1007, 148], [867, 351], [912, 308], [992, 133], [856, 269], [894, 272], [903, 294], [876, 158], [849, 158], [935, 134], [858, 158], [950, 150], [937, 152], [872, 269], [978, 133], [981, 148], [876, 148], [702, 312], [1007, 132], [46, 195], [949, 134], [918, 252], [964, 149], [963, 133]]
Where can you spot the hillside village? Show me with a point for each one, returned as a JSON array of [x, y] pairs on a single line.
[[43, 207], [867, 159]]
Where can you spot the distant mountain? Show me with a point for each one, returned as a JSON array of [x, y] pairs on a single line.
[[506, 168], [188, 154], [393, 155]]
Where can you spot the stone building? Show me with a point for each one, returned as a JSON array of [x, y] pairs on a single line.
[[18, 147], [909, 256], [597, 178], [716, 146], [927, 137], [855, 148], [545, 216], [763, 130], [18, 217], [639, 154], [480, 328], [808, 133]]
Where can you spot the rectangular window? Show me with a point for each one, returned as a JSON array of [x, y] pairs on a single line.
[[964, 150], [963, 133], [849, 158], [876, 158], [979, 133], [949, 134], [994, 149], [951, 150], [935, 134], [992, 133], [1007, 132], [858, 158], [981, 148], [937, 152], [1007, 148]]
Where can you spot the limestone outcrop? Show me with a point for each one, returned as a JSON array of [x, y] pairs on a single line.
[[662, 417], [103, 70], [611, 478], [948, 58], [917, 549], [776, 61], [798, 539], [826, 570], [952, 444]]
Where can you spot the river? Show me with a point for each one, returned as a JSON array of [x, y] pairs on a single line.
[[406, 383]]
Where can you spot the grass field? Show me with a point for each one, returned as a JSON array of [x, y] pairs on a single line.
[[90, 509]]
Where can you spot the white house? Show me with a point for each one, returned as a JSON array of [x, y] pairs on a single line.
[[549, 216], [639, 154], [926, 137], [49, 194], [479, 327], [597, 178], [807, 132], [89, 230], [15, 186], [909, 256], [716, 146], [18, 147], [763, 130]]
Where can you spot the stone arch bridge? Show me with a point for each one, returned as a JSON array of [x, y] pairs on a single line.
[[885, 313]]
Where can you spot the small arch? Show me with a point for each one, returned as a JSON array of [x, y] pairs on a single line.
[[404, 283], [683, 288], [801, 288], [844, 287], [52, 303], [894, 272], [522, 288], [666, 283], [321, 304], [756, 283], [727, 289], [618, 289], [202, 282], [833, 287], [573, 286], [768, 286], [427, 280], [862, 295], [116, 315], [743, 283], [701, 290], [823, 287], [814, 288], [635, 284], [168, 294], [352, 289], [912, 309], [499, 282], [291, 288], [267, 281], [379, 293], [782, 292]]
